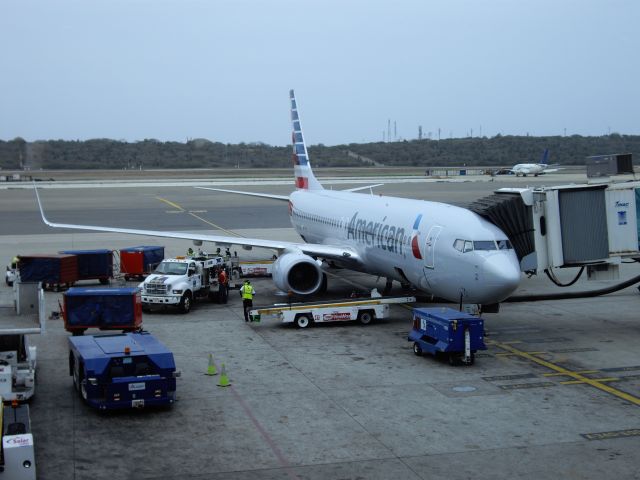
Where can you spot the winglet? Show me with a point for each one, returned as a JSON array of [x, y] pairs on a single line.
[[44, 219], [305, 179]]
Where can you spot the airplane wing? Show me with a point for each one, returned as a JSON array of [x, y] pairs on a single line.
[[280, 197], [331, 252], [251, 194], [357, 189]]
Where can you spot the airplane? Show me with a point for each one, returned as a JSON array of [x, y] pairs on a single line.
[[443, 250], [535, 169]]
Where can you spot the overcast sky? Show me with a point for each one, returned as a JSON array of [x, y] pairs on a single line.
[[222, 70]]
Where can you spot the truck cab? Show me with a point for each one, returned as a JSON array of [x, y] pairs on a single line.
[[179, 281], [129, 370]]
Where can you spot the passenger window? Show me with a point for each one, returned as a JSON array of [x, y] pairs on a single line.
[[468, 246], [459, 245]]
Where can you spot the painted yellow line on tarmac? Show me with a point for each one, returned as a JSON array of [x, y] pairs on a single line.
[[170, 203], [575, 375], [577, 382], [192, 213], [583, 372]]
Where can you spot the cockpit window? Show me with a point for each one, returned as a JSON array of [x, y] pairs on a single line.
[[459, 245], [504, 245], [484, 245], [468, 246]]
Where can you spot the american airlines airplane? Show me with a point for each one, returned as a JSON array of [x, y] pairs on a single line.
[[441, 249], [534, 169]]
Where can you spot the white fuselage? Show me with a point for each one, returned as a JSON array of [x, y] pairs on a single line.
[[529, 169], [427, 244]]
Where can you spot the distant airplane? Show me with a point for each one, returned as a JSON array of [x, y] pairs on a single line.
[[535, 169], [441, 249]]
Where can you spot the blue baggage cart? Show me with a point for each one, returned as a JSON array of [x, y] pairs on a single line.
[[129, 370], [447, 332]]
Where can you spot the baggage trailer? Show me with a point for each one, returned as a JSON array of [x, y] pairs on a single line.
[[447, 332], [17, 456], [304, 314], [53, 270], [93, 264], [127, 370], [140, 261], [103, 308]]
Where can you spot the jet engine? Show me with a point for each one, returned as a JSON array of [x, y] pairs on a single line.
[[298, 273]]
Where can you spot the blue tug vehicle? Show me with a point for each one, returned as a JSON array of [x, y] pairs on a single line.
[[128, 370], [447, 332]]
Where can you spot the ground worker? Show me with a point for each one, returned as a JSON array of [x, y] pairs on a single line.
[[247, 292], [223, 285], [189, 252]]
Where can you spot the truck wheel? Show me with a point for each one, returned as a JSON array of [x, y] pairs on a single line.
[[185, 303], [416, 349], [365, 317], [303, 320]]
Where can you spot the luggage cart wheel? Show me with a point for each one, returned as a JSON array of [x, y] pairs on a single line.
[[416, 349], [303, 321]]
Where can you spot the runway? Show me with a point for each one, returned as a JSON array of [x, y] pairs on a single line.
[[556, 395]]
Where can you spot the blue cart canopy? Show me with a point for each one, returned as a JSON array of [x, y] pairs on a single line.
[[93, 263], [100, 307]]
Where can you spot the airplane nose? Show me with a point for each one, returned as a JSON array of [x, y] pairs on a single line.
[[501, 275]]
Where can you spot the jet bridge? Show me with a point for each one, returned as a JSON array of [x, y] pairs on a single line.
[[592, 225]]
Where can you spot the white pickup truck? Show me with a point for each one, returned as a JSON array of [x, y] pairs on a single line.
[[181, 280]]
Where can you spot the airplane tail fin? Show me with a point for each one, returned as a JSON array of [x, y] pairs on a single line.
[[305, 179], [545, 157]]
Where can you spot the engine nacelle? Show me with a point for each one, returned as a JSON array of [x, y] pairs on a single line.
[[298, 273]]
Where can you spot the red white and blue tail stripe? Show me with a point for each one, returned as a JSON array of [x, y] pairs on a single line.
[[302, 168]]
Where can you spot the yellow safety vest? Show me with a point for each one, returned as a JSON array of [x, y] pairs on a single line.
[[247, 292]]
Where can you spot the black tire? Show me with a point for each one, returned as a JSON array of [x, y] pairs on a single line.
[[303, 320], [365, 317], [186, 302], [416, 349], [104, 281], [126, 278]]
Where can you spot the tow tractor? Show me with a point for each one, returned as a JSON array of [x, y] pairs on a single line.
[[181, 280], [364, 310], [128, 370]]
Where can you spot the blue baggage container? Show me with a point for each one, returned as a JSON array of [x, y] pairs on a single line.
[[103, 308], [129, 370], [50, 269], [448, 332], [94, 264]]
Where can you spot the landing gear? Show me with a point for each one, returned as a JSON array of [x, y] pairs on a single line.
[[387, 287]]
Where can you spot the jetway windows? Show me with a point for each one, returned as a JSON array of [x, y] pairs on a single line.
[[583, 221]]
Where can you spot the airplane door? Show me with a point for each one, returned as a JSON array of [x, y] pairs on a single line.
[[430, 244]]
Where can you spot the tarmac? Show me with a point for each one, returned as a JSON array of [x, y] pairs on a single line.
[[556, 395]]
